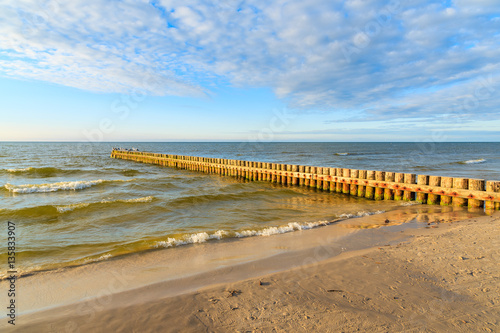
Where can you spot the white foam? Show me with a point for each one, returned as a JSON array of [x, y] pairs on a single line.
[[67, 208], [290, 227], [481, 160], [360, 214], [201, 237], [19, 170], [293, 226], [219, 234], [143, 199], [63, 209], [41, 188], [410, 203], [101, 258]]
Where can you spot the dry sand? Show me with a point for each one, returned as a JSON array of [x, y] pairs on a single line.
[[444, 278]]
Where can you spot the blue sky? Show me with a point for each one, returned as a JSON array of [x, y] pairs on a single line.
[[191, 70]]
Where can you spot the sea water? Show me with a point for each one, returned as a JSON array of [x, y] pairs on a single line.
[[72, 204]]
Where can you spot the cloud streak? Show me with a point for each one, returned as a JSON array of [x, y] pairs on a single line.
[[371, 60]]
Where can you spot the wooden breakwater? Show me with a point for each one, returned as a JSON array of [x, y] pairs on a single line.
[[376, 185]]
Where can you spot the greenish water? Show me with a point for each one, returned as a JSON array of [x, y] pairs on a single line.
[[72, 204]]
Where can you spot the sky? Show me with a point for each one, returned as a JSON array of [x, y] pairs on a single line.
[[258, 70]]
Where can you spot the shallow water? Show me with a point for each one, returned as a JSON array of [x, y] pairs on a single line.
[[72, 204]]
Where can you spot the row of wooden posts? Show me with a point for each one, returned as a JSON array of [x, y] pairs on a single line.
[[376, 185]]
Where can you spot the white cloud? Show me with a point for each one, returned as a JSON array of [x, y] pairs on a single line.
[[392, 59]]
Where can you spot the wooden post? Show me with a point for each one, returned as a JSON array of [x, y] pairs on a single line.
[[338, 187], [346, 188], [326, 183], [312, 183], [319, 181], [400, 179], [388, 193], [379, 192], [354, 187], [274, 178], [282, 168], [433, 199], [295, 180], [333, 172], [410, 178], [361, 188], [476, 185], [422, 180], [307, 180], [370, 190], [446, 182], [492, 186], [289, 179], [301, 170], [460, 183]]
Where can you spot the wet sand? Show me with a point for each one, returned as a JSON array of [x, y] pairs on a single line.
[[413, 269]]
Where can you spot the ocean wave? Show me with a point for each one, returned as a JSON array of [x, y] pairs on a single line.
[[360, 214], [68, 208], [293, 226], [203, 237], [101, 258], [200, 237], [60, 186], [43, 188], [47, 172], [410, 203], [481, 160], [18, 170], [54, 210], [40, 172]]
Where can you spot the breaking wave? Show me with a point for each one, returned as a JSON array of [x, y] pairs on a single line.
[[203, 237], [51, 210], [53, 187], [481, 160], [47, 172]]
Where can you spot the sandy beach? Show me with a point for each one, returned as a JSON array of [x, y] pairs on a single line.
[[439, 275]]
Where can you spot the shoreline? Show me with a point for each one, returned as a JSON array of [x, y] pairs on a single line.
[[151, 284]]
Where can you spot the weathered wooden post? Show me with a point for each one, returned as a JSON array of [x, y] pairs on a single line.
[[476, 185], [492, 186], [410, 178], [346, 173], [339, 186], [361, 187], [295, 179], [379, 191], [400, 179], [447, 184], [326, 183], [353, 188], [312, 182], [460, 183], [433, 199], [422, 180], [388, 193], [319, 175], [370, 190], [333, 173], [307, 180], [301, 170]]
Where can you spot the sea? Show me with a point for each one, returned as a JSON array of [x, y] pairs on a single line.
[[73, 205]]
